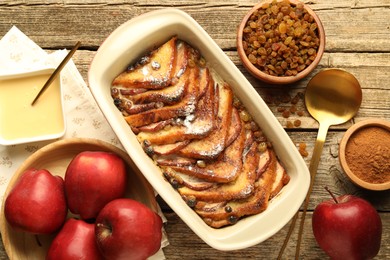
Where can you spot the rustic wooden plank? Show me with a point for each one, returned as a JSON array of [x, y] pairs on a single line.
[[349, 26], [3, 254], [185, 246]]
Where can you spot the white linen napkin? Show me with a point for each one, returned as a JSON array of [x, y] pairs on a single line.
[[18, 53]]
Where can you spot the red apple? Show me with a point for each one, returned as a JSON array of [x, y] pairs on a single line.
[[347, 227], [127, 229], [93, 179], [75, 241], [37, 203]]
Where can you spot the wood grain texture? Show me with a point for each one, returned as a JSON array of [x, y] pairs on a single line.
[[181, 238], [350, 26], [357, 40]]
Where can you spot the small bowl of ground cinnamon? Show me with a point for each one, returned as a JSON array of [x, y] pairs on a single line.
[[280, 41], [365, 154]]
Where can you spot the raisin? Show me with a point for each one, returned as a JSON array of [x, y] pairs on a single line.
[[284, 32]]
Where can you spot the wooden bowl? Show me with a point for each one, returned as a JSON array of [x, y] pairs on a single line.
[[351, 133], [55, 157], [260, 74]]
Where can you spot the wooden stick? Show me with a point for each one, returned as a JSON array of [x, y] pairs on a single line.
[[56, 72]]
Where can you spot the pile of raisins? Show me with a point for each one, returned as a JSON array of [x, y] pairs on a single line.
[[281, 39]]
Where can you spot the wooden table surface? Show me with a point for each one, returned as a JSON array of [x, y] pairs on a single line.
[[357, 40]]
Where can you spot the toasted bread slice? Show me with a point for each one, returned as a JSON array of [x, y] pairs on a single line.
[[222, 170], [169, 95], [169, 160], [213, 145], [128, 108], [241, 187], [183, 57], [118, 91], [166, 149], [154, 127], [235, 127], [153, 71], [177, 179], [186, 107], [265, 160], [186, 130], [281, 180], [218, 215]]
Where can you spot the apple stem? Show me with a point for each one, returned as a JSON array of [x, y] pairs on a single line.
[[331, 194], [106, 230]]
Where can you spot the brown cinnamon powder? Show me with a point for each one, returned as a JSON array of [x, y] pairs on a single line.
[[368, 154]]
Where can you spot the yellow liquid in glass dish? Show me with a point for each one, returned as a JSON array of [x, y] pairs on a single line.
[[19, 120]]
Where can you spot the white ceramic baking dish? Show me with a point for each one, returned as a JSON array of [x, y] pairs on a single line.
[[130, 41]]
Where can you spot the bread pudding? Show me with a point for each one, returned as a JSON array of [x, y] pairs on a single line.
[[191, 124]]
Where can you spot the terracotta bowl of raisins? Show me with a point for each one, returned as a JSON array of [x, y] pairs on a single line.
[[280, 41]]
